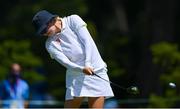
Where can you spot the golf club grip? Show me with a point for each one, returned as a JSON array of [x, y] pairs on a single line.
[[109, 81]]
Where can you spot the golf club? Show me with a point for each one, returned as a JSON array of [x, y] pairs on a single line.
[[132, 89]]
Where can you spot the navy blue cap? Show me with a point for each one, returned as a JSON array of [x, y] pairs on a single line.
[[41, 19]]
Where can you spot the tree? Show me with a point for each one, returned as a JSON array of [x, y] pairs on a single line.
[[19, 51], [167, 57]]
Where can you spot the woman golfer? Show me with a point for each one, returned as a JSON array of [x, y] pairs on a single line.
[[70, 43]]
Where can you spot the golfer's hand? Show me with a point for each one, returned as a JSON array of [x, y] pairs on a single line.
[[87, 70]]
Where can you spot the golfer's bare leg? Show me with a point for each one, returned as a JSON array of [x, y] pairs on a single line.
[[74, 103], [96, 102]]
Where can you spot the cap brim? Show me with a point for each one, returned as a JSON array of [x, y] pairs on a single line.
[[39, 32]]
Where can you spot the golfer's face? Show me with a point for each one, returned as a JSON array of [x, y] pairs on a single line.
[[51, 29]]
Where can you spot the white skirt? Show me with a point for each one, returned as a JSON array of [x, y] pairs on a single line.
[[80, 85]]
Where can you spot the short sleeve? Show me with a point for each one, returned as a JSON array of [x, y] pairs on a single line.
[[76, 22]]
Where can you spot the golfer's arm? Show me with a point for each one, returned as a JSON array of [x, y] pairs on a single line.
[[85, 38], [62, 59], [79, 27]]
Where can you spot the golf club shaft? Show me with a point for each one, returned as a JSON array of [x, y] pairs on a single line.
[[110, 82]]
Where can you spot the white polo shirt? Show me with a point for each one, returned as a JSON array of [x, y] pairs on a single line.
[[74, 48]]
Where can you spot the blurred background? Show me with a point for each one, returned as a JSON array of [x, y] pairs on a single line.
[[138, 39]]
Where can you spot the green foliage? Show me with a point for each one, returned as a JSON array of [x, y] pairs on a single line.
[[167, 57], [92, 29], [161, 102], [165, 54], [17, 20], [114, 69], [19, 51], [114, 57]]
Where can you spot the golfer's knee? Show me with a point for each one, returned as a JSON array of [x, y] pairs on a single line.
[[74, 103], [96, 102]]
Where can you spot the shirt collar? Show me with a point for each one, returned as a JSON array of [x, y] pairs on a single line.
[[63, 24]]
